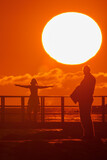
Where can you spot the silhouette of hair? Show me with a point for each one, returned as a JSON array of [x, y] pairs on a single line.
[[86, 69], [33, 81]]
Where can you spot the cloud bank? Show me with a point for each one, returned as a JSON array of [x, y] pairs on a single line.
[[63, 82]]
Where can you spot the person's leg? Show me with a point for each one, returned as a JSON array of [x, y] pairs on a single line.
[[88, 125], [36, 110], [35, 113], [85, 116], [83, 120], [29, 112], [35, 116]]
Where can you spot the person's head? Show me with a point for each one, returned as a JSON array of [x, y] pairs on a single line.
[[86, 70], [33, 81]]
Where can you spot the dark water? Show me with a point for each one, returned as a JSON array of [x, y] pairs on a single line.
[[53, 114]]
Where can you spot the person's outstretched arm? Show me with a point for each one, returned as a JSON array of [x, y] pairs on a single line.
[[41, 87], [25, 86]]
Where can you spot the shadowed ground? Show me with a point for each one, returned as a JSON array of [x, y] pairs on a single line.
[[29, 143]]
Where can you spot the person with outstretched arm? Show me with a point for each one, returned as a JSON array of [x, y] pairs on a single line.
[[33, 102]]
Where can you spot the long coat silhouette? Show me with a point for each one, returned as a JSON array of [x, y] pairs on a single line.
[[84, 95]]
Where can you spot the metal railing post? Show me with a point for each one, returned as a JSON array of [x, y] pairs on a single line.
[[62, 109], [103, 108], [42, 109], [22, 109], [3, 109]]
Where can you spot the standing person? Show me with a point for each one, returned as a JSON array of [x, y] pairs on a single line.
[[33, 102], [84, 95]]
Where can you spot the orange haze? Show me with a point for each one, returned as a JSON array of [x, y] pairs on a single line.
[[23, 57]]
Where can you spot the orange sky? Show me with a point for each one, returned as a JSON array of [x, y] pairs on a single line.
[[22, 55]]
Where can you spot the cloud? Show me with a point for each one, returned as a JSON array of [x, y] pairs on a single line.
[[64, 82], [101, 80], [54, 76], [101, 85], [15, 79]]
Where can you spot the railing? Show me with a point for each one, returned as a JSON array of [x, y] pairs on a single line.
[[62, 105]]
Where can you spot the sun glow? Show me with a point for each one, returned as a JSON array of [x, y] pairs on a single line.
[[71, 38]]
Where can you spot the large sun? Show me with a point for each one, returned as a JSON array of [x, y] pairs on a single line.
[[71, 38]]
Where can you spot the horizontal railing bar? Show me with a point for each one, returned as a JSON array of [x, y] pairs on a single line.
[[41, 96], [49, 106]]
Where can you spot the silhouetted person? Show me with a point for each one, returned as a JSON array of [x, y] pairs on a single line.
[[84, 95], [33, 102]]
